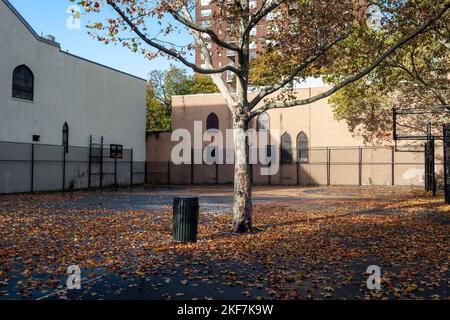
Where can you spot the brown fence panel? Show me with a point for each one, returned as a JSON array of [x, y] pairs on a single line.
[[204, 174], [180, 174], [317, 174], [344, 166], [225, 173]]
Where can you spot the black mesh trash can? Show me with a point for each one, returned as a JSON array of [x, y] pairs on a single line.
[[185, 219]]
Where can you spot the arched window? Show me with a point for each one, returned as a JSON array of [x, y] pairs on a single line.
[[212, 122], [302, 148], [65, 137], [263, 122], [23, 83], [286, 148]]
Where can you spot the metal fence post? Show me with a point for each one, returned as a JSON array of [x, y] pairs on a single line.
[[32, 168], [360, 165], [446, 128], [433, 171], [192, 167], [64, 170], [101, 164], [131, 170], [393, 166], [328, 167], [90, 162]]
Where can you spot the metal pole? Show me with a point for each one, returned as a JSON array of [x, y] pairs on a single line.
[[192, 167], [328, 166], [131, 170], [90, 161], [360, 164], [426, 166], [101, 164], [297, 165], [393, 166], [433, 173], [64, 169], [394, 124], [446, 186], [32, 168]]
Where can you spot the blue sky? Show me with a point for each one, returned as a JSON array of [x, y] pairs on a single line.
[[50, 17]]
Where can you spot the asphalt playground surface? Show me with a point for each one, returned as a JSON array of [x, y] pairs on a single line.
[[177, 283]]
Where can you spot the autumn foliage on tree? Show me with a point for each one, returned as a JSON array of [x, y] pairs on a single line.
[[306, 37], [417, 75], [162, 85]]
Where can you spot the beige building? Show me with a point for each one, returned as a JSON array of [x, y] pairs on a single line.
[[315, 148]]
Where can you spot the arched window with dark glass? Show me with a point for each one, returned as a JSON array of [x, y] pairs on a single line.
[[263, 122], [212, 122], [286, 148], [302, 148], [263, 125], [65, 137], [23, 83]]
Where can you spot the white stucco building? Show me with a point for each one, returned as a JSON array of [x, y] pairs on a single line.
[[51, 103], [42, 87]]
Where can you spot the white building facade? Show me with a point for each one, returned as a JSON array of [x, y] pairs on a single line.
[[90, 98], [51, 97]]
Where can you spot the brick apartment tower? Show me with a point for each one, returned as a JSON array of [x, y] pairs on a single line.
[[204, 11]]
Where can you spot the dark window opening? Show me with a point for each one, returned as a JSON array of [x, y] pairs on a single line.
[[286, 148], [269, 150], [212, 122], [65, 137], [36, 138], [23, 83], [302, 148]]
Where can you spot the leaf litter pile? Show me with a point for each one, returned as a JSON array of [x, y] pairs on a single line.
[[311, 248]]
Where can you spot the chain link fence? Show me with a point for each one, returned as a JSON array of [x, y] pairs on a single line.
[[319, 166], [39, 167]]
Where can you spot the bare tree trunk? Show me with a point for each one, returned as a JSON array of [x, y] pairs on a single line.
[[242, 208]]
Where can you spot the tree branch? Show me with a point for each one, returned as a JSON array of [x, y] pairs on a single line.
[[200, 29], [168, 51], [254, 20], [216, 78], [422, 81], [360, 74], [273, 88]]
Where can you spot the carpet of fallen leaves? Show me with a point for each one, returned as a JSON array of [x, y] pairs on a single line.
[[311, 248]]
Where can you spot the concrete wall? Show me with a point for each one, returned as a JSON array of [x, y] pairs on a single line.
[[91, 98], [316, 119]]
